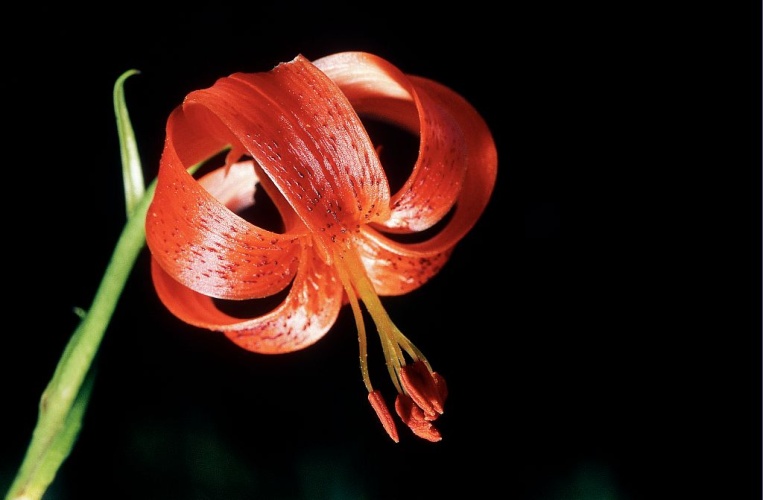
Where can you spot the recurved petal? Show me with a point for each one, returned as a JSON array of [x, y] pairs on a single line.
[[377, 88], [205, 246], [395, 268], [481, 169], [306, 314], [233, 186], [300, 128]]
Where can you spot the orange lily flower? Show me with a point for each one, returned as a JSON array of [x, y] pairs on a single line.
[[296, 132]]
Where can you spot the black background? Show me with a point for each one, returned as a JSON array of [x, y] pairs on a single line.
[[599, 328]]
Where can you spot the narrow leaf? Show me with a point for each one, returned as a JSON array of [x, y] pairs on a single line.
[[132, 171]]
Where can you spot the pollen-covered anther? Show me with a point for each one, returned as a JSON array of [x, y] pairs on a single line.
[[380, 407], [415, 418], [426, 388]]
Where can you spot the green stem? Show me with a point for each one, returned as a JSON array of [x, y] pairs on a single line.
[[64, 400]]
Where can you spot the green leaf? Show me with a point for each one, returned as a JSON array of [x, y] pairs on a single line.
[[65, 399], [132, 171]]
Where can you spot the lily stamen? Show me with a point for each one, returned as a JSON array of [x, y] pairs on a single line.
[[415, 382]]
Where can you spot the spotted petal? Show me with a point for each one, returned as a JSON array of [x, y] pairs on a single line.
[[318, 162], [448, 145], [296, 132], [456, 165], [306, 314], [304, 134]]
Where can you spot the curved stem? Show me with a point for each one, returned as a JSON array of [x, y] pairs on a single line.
[[64, 400]]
